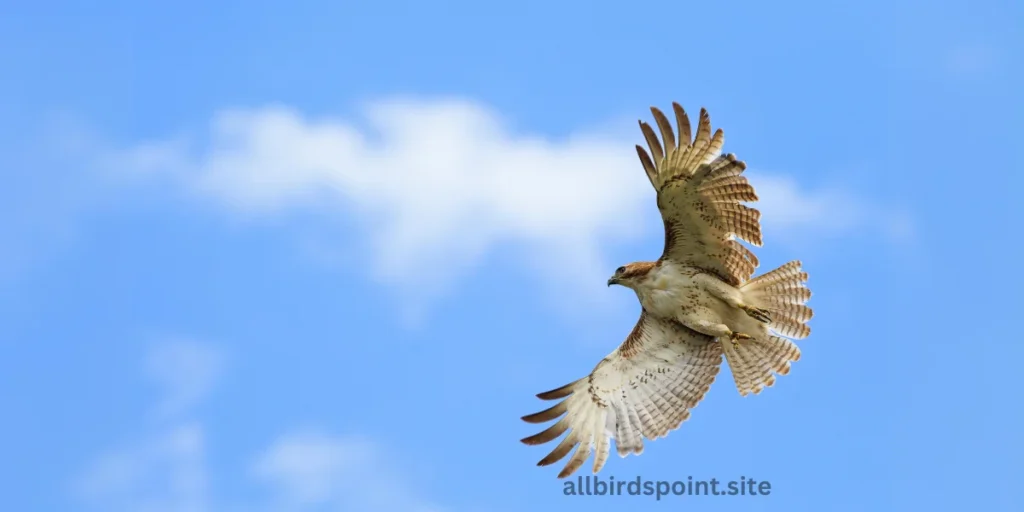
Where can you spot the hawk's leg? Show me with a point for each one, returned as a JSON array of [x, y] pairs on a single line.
[[720, 331], [708, 327], [731, 296]]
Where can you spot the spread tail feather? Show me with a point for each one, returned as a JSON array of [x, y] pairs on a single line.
[[783, 293], [754, 363]]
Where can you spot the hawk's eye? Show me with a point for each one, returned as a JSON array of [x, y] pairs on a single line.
[[620, 270]]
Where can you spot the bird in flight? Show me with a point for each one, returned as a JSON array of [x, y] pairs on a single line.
[[698, 302]]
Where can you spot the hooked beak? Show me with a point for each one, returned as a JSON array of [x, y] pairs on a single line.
[[612, 280]]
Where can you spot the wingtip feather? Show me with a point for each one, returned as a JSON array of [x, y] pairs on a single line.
[[557, 393], [547, 414]]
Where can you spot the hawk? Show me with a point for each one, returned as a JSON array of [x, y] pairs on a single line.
[[698, 303]]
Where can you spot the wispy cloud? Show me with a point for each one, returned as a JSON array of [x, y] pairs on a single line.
[[166, 469], [46, 191], [790, 210], [971, 60], [186, 370], [165, 472], [310, 469]]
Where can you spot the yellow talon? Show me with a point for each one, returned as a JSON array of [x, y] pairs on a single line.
[[761, 315], [737, 336]]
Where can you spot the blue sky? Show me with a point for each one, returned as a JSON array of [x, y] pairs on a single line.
[[321, 257]]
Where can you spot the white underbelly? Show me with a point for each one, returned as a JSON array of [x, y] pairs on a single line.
[[671, 303], [674, 294], [663, 303], [670, 292]]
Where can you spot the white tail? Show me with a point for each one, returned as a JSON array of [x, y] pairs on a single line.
[[782, 293]]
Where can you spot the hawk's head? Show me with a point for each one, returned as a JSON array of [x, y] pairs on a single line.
[[632, 274]]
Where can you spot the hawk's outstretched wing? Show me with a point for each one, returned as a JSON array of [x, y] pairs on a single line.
[[700, 192], [645, 388]]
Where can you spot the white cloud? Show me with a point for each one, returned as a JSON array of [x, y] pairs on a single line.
[[186, 370], [309, 470], [438, 185]]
